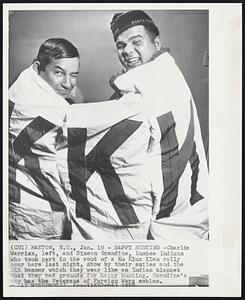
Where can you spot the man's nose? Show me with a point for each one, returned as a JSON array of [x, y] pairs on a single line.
[[66, 82], [128, 49]]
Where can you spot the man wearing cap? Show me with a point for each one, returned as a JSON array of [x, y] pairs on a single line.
[[177, 162]]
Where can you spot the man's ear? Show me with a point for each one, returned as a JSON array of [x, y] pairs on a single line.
[[36, 66], [158, 42]]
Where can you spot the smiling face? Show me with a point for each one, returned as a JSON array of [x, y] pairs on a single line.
[[61, 74], [135, 46]]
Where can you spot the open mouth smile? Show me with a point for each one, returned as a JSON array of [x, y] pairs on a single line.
[[62, 92], [133, 61]]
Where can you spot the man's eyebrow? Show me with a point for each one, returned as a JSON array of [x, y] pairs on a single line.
[[120, 42], [63, 70], [135, 36], [131, 38], [58, 67]]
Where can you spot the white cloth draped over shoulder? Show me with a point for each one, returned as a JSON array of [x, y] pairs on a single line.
[[178, 166], [39, 179], [35, 193], [116, 170], [107, 163]]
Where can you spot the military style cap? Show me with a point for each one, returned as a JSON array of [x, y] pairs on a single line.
[[123, 21]]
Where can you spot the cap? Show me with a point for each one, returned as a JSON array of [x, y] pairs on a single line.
[[122, 21]]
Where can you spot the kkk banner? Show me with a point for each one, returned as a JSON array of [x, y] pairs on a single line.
[[108, 171], [178, 165], [132, 168], [37, 201], [144, 177], [40, 202]]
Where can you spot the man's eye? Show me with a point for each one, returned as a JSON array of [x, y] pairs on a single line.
[[120, 46], [59, 73], [136, 42]]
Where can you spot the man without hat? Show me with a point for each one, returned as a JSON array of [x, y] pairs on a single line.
[[71, 166], [177, 161], [38, 180]]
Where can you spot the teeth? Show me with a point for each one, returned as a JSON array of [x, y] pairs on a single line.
[[133, 60]]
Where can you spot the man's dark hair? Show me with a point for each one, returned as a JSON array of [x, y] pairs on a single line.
[[54, 48]]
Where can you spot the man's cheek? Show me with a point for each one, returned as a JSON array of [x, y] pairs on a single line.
[[121, 59], [73, 83]]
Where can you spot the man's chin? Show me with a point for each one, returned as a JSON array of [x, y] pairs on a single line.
[[63, 95], [130, 67]]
